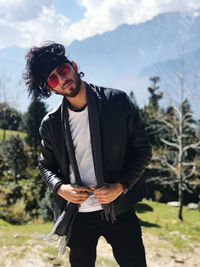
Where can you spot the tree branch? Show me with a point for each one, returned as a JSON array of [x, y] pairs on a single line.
[[170, 143], [195, 146]]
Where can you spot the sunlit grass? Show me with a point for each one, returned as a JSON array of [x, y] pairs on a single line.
[[10, 133], [19, 234], [163, 221]]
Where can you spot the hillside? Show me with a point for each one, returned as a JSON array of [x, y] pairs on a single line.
[[11, 133]]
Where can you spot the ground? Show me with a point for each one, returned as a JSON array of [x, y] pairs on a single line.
[[42, 254]]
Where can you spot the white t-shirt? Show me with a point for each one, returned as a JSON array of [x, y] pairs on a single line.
[[80, 132]]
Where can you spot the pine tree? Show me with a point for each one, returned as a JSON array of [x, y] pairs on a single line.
[[36, 112], [15, 156]]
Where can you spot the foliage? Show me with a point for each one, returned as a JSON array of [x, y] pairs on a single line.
[[10, 118], [16, 213], [46, 207], [36, 111], [10, 133], [155, 97], [175, 144], [16, 156], [151, 111], [180, 149], [133, 99], [9, 194], [33, 191], [3, 167]]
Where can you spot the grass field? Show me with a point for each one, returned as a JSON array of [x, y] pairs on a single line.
[[156, 219], [10, 133], [161, 219]]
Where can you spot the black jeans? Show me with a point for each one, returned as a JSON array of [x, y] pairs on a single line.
[[124, 236]]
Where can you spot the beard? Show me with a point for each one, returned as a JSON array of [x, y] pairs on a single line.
[[76, 89]]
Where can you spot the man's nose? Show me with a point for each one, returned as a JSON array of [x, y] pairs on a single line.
[[61, 78]]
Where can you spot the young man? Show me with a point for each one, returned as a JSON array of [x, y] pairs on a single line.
[[93, 153]]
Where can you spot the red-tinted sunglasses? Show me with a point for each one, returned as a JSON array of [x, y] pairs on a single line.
[[63, 70]]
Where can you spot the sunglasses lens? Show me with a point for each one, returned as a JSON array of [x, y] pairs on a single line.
[[53, 81], [64, 69]]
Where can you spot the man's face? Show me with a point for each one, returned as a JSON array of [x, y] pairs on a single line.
[[64, 80]]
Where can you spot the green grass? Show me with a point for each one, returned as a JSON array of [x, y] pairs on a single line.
[[17, 235], [100, 262], [10, 133], [156, 218], [3, 223], [163, 221]]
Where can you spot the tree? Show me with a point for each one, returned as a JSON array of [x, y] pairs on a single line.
[[10, 118], [181, 145], [15, 155], [155, 97], [46, 206], [152, 111], [4, 79], [36, 111], [133, 99]]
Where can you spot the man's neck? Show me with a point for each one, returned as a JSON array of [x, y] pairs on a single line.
[[80, 100]]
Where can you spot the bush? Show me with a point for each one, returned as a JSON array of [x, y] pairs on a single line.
[[15, 213], [46, 207]]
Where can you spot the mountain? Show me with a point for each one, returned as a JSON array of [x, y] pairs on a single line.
[[182, 72], [190, 60], [130, 48], [126, 57]]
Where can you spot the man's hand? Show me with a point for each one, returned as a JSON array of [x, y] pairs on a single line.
[[73, 193], [108, 193]]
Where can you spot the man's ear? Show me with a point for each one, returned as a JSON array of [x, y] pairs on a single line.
[[75, 66]]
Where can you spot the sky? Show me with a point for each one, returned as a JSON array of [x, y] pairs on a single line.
[[25, 23]]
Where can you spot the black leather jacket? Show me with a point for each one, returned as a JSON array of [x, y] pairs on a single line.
[[126, 150]]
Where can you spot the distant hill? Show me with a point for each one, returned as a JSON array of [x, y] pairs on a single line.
[[130, 48]]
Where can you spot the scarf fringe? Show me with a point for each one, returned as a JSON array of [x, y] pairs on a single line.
[[109, 212], [62, 245]]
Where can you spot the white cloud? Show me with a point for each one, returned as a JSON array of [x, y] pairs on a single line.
[[46, 26], [102, 15], [21, 10], [24, 22]]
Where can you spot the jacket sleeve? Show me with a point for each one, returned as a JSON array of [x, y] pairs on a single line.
[[47, 162], [138, 153]]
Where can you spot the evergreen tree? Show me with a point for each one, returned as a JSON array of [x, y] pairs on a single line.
[[133, 99], [46, 206], [152, 111], [15, 156], [10, 118], [155, 97], [36, 112]]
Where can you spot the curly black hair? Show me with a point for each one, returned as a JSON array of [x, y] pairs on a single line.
[[35, 82]]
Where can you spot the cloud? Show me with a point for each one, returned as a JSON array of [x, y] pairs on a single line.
[[47, 25], [21, 10], [24, 23], [102, 15]]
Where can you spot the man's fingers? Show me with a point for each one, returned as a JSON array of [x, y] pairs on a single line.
[[79, 197], [82, 189], [101, 192]]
